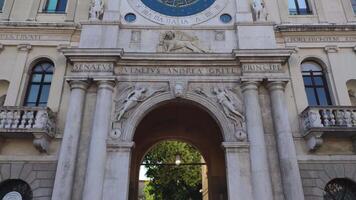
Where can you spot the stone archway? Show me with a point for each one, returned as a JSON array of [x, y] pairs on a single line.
[[181, 120]]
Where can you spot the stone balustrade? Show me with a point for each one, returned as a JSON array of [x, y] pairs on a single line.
[[332, 121], [28, 122]]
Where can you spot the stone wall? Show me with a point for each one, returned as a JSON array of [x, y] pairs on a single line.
[[40, 176], [316, 174]]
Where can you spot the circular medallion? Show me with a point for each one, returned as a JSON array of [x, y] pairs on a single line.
[[12, 196], [178, 12]]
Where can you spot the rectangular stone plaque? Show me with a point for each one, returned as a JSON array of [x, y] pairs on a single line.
[[319, 39], [93, 67], [258, 68], [179, 71]]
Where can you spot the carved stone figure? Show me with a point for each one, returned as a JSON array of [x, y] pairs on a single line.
[[229, 107], [96, 10], [259, 11], [133, 98], [178, 90], [179, 42]]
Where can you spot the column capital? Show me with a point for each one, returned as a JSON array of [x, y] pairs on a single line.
[[235, 147], [105, 83], [114, 146], [276, 85], [24, 47], [250, 84], [78, 83]]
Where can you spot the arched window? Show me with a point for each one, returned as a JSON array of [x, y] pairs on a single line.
[[39, 85], [1, 5], [15, 189], [340, 189], [55, 6], [299, 7], [353, 2], [315, 84]]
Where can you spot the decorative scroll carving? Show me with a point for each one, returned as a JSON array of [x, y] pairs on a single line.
[[259, 11], [96, 10], [179, 42]]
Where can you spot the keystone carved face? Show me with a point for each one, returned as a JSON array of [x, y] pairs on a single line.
[[178, 90]]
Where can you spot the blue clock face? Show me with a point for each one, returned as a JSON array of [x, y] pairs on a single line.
[[178, 8]]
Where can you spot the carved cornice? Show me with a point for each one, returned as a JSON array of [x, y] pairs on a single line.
[[46, 26], [314, 27], [263, 55], [76, 54]]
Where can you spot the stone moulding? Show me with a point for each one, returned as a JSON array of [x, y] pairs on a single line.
[[28, 122], [328, 121]]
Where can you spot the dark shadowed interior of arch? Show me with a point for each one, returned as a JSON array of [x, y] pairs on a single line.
[[182, 121]]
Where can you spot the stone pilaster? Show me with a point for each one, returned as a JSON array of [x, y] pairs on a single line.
[[94, 180], [237, 181], [14, 90], [116, 185], [68, 152], [261, 179], [291, 179]]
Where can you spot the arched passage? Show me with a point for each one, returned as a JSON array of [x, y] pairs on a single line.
[[185, 121]]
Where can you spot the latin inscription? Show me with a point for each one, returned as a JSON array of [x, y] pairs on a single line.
[[20, 37], [316, 39], [180, 71], [93, 67], [154, 16], [262, 68]]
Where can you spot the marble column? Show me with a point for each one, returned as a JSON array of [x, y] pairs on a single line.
[[94, 180], [238, 185], [291, 179], [68, 152], [116, 185], [261, 179]]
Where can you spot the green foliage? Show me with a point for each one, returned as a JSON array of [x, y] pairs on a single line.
[[171, 182]]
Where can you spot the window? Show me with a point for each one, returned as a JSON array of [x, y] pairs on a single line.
[[15, 189], [340, 189], [353, 2], [298, 7], [315, 84], [55, 6], [1, 4], [40, 83]]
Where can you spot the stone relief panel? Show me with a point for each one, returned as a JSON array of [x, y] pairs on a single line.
[[228, 99], [152, 40], [223, 97], [177, 41], [128, 97]]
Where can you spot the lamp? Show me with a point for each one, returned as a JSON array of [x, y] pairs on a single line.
[[178, 160]]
